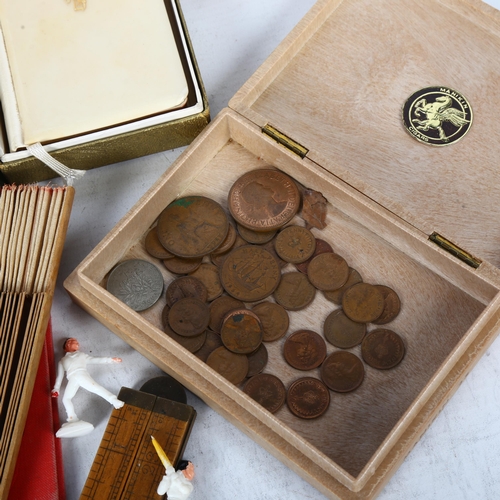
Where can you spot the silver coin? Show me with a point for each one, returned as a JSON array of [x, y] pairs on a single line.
[[137, 283]]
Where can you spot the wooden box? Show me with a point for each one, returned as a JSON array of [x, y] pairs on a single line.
[[334, 89]]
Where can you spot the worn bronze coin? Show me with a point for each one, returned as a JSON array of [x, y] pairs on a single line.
[[294, 291], [189, 317], [241, 331], [268, 390], [392, 305], [328, 271], [257, 360], [218, 258], [185, 286], [208, 274], [342, 371], [363, 302], [308, 397], [191, 344], [179, 265], [250, 273], [232, 366], [304, 350], [263, 200], [192, 226], [255, 237], [274, 320], [335, 296], [269, 246], [295, 244], [154, 247], [382, 349], [228, 243], [219, 309], [164, 315], [212, 342], [322, 246], [341, 331]]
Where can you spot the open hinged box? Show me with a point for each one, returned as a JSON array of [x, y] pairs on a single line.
[[335, 89], [95, 83]]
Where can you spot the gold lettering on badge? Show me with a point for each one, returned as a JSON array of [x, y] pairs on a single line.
[[79, 4]]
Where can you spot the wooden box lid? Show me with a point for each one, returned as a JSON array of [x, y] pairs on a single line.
[[337, 86]]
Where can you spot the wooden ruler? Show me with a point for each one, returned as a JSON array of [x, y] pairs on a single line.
[[126, 465]]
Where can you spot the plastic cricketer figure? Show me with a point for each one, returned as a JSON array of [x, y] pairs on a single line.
[[74, 363]]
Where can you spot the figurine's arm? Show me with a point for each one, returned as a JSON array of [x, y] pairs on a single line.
[[57, 384], [102, 360], [166, 481]]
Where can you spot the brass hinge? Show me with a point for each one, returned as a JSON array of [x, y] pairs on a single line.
[[454, 250], [284, 140]]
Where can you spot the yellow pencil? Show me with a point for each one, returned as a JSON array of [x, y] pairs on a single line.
[[163, 456]]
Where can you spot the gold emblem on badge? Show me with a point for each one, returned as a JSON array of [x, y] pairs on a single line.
[[437, 115]]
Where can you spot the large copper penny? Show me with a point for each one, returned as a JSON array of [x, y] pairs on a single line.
[[308, 397], [154, 247], [342, 371], [263, 200], [392, 305], [363, 302], [343, 332], [232, 366], [328, 271], [304, 350], [382, 349], [192, 226], [257, 361], [255, 237], [189, 317], [183, 287], [219, 309], [250, 273], [179, 265], [212, 342], [274, 320], [321, 247], [335, 296], [208, 274], [294, 291], [295, 244], [191, 344], [268, 390], [241, 331]]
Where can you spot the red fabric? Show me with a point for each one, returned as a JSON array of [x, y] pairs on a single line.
[[39, 473]]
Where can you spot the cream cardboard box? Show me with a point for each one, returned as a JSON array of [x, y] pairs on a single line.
[[326, 108], [95, 83]]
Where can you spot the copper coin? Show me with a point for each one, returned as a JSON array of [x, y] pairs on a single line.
[[250, 273], [392, 305], [218, 258], [219, 309], [295, 244], [255, 237], [328, 271], [274, 320], [228, 243], [263, 200], [212, 342], [382, 349], [363, 302], [304, 350], [342, 371], [183, 287], [269, 246], [268, 390], [257, 361], [232, 366], [189, 317], [164, 316], [191, 344], [321, 247], [154, 247], [179, 265], [335, 296], [208, 274], [308, 397], [341, 331], [193, 226], [241, 331], [294, 291]]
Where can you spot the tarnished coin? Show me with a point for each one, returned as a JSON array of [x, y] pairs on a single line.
[[228, 243], [208, 274], [263, 200], [294, 291], [250, 273], [342, 371], [328, 271], [189, 317], [363, 303], [219, 309], [274, 320], [241, 331], [304, 350], [268, 390], [137, 283], [321, 247], [212, 342], [191, 344], [257, 361], [164, 316], [232, 366], [382, 349], [154, 247], [255, 237], [295, 244], [335, 296], [269, 246], [341, 331], [179, 265], [392, 305], [193, 226], [308, 397], [218, 258], [183, 287]]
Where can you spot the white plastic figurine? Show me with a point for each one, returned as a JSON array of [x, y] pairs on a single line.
[[177, 484], [74, 364]]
